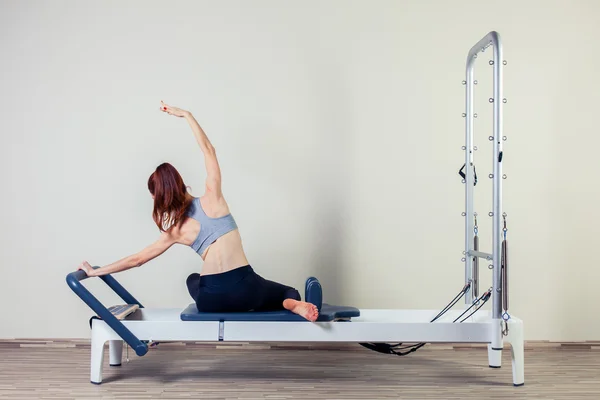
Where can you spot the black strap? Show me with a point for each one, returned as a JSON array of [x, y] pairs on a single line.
[[387, 348], [461, 173], [93, 318]]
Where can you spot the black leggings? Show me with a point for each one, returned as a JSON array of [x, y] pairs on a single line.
[[238, 290]]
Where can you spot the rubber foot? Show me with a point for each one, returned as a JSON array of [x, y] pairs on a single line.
[[115, 365], [96, 383], [518, 384], [495, 366]]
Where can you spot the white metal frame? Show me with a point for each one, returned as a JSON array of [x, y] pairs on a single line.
[[409, 326]]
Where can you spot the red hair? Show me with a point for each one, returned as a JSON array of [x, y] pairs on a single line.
[[170, 197]]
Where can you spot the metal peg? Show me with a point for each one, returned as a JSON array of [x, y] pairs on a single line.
[[504, 100], [504, 138], [464, 252], [464, 115], [491, 99], [491, 176], [491, 214], [491, 266], [504, 176], [491, 138], [475, 148], [464, 147], [463, 213], [475, 82], [463, 181], [464, 82], [504, 62], [491, 62], [475, 115], [463, 259]]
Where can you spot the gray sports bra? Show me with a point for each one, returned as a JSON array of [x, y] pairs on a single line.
[[210, 228]]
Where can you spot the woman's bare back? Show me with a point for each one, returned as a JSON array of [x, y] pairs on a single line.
[[227, 252]]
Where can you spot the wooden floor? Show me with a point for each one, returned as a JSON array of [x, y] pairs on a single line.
[[60, 370]]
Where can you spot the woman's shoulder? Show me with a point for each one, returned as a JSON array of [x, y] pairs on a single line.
[[192, 205], [213, 207]]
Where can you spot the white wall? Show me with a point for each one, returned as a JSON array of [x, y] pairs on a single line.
[[338, 126]]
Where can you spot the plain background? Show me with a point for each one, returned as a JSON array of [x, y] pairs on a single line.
[[339, 131]]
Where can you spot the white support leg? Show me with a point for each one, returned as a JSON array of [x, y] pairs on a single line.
[[517, 343], [115, 352], [494, 357], [496, 345], [97, 350]]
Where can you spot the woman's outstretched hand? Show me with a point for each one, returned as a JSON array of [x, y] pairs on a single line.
[[178, 112], [89, 270]]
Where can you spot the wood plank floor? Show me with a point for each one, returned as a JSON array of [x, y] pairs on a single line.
[[31, 369]]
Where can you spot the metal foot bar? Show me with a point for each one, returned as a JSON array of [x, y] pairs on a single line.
[[74, 281]]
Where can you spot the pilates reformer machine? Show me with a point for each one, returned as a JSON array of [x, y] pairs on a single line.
[[382, 330]]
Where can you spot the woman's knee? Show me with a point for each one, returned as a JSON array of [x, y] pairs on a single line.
[[193, 284], [292, 294]]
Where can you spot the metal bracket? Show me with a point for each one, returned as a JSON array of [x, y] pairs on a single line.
[[480, 254], [221, 330]]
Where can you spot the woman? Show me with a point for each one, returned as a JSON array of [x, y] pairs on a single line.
[[227, 283]]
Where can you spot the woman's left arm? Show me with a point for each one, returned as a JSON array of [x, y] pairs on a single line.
[[152, 251]]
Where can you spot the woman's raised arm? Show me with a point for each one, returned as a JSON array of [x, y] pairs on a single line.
[[213, 171]]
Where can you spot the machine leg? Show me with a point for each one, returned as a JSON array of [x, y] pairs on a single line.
[[517, 343], [494, 357], [115, 352], [496, 345], [97, 356]]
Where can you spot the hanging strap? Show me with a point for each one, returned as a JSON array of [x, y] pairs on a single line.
[[504, 265], [476, 261], [461, 173], [387, 348], [504, 279], [505, 275]]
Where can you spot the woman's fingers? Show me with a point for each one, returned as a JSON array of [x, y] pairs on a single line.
[[169, 109]]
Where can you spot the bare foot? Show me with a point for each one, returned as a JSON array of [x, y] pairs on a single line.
[[306, 310]]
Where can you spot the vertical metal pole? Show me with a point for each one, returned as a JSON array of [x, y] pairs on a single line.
[[497, 164], [469, 181], [491, 39]]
